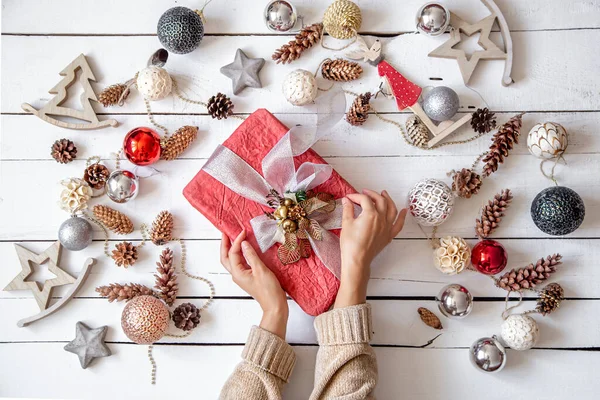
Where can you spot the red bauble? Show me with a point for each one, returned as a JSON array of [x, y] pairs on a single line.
[[489, 257], [142, 146]]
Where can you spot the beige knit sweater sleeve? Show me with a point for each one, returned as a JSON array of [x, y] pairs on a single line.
[[346, 365]]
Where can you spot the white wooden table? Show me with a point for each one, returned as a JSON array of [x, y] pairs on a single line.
[[556, 74]]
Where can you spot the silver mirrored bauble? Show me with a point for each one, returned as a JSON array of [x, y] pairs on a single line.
[[488, 355], [180, 30], [280, 16], [122, 186], [455, 301], [75, 233], [433, 19], [441, 103]]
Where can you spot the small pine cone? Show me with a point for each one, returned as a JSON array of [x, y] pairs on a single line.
[[186, 316], [166, 277], [429, 318], [417, 132], [292, 50], [96, 175], [550, 298], [113, 220], [341, 70], [502, 142], [178, 142], [63, 151], [125, 254], [526, 278], [113, 95], [492, 213], [359, 110], [466, 183], [119, 292], [483, 120], [162, 228], [220, 106]]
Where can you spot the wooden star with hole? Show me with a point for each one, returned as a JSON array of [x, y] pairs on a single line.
[[40, 292], [467, 65]]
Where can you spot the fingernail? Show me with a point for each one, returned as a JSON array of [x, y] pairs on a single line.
[[245, 245], [344, 201], [384, 192]]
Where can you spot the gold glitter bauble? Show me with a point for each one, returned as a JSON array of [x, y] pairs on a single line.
[[145, 319]]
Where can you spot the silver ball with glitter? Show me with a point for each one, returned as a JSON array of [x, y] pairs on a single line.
[[441, 103], [488, 355], [455, 301], [280, 16], [433, 19], [75, 234], [122, 186]]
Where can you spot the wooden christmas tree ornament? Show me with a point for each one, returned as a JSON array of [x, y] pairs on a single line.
[[54, 109]]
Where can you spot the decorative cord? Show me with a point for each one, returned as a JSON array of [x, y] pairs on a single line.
[[556, 161], [183, 98]]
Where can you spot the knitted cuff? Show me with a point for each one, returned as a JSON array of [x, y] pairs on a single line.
[[346, 325], [270, 353]]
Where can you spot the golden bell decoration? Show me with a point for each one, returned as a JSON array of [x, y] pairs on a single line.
[[289, 226]]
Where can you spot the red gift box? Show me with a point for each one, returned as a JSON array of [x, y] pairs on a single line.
[[307, 281]]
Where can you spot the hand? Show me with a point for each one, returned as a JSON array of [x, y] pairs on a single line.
[[362, 238], [252, 275]]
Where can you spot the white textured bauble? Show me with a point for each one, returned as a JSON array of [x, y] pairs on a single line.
[[431, 202], [547, 140], [300, 87], [452, 256], [520, 332], [154, 83]]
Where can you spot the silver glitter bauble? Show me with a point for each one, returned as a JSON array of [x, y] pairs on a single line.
[[547, 140], [455, 301], [488, 355], [180, 30], [280, 16], [122, 186], [75, 233], [441, 103], [520, 332], [433, 19], [431, 202]]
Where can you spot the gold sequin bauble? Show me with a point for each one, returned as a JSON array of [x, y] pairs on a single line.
[[547, 140], [452, 256], [300, 87], [154, 83], [145, 319], [342, 19]]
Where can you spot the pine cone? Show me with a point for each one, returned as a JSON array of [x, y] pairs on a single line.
[[179, 142], [292, 50], [118, 292], [162, 228], [483, 120], [492, 213], [96, 175], [125, 254], [466, 183], [429, 318], [341, 70], [550, 298], [113, 220], [526, 278], [220, 106], [502, 142], [113, 95], [359, 110], [63, 151], [417, 132], [166, 277], [186, 316]]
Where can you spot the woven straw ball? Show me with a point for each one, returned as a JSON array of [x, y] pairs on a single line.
[[145, 319], [154, 83], [300, 87], [342, 19]]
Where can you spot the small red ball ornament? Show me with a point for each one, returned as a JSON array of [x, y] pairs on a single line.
[[489, 257], [142, 146]]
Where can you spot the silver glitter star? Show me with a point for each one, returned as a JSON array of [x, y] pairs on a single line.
[[88, 344], [243, 71]]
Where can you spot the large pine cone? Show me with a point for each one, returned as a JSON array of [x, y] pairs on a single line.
[[502, 142], [359, 110], [125, 254], [96, 175], [550, 298], [63, 151], [483, 120], [492, 213], [179, 142], [166, 277], [118, 292], [417, 132], [220, 106], [528, 277], [113, 95], [466, 183], [113, 220], [162, 228], [292, 50], [341, 70], [186, 316]]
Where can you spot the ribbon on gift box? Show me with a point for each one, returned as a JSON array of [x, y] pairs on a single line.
[[280, 174]]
